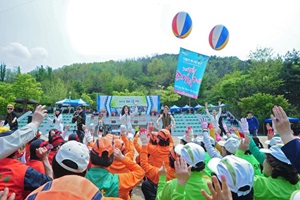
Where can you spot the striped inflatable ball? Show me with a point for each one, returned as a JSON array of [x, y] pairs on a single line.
[[218, 37], [182, 25]]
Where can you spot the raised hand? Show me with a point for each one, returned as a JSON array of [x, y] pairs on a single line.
[[244, 125], [281, 121], [162, 170], [282, 124], [118, 154], [216, 192], [144, 137], [38, 115], [183, 172], [204, 123], [244, 145]]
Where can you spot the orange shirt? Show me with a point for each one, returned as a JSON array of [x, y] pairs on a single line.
[[152, 171], [159, 155], [127, 181], [12, 176]]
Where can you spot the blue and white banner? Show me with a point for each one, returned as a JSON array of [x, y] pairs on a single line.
[[190, 70]]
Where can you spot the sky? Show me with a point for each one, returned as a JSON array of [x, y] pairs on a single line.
[[57, 33]]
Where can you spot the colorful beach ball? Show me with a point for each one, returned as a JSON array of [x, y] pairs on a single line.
[[218, 37], [182, 25]]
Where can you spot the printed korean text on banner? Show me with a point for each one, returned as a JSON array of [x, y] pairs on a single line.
[[190, 70], [145, 104]]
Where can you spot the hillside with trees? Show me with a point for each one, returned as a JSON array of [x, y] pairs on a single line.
[[255, 84]]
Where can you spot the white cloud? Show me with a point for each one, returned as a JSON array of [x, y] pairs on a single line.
[[16, 54]]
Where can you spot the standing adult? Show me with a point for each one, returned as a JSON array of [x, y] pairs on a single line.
[[166, 119], [79, 117], [252, 123], [11, 118], [125, 118], [57, 121], [214, 116]]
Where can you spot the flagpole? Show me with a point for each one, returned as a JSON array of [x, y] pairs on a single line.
[[189, 105]]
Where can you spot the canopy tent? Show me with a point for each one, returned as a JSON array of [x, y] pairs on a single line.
[[186, 107], [175, 108], [211, 105], [75, 102], [198, 106], [291, 119]]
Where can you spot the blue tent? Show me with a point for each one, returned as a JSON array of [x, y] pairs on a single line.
[[291, 119], [198, 106], [75, 102], [175, 108], [186, 107]]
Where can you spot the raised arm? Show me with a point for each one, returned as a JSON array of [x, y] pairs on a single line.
[[14, 141]]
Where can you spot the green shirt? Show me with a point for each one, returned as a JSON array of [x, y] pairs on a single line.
[[253, 148], [191, 191], [207, 170], [251, 159], [273, 188], [107, 182]]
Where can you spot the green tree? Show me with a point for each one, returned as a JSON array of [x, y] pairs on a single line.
[[53, 90], [6, 96], [167, 95], [261, 105], [26, 87], [88, 99], [290, 73], [128, 93], [2, 72]]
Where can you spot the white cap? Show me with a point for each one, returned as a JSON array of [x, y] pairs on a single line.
[[230, 145], [274, 140], [189, 139], [193, 153], [122, 128], [76, 152], [198, 140], [238, 172], [295, 195], [276, 151], [130, 136], [178, 148]]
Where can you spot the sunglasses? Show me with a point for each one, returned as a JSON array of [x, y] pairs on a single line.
[[9, 108]]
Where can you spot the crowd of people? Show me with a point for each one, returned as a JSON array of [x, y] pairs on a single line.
[[203, 165]]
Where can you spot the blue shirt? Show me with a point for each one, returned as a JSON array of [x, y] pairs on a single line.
[[34, 179], [253, 123]]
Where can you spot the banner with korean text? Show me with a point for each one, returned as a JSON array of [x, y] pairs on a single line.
[[190, 70]]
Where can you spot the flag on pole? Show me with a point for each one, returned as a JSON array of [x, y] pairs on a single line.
[[190, 70]]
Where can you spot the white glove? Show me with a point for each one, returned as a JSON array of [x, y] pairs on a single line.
[[144, 137], [88, 136], [244, 125], [204, 123]]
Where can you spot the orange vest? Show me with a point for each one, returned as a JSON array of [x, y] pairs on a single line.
[[37, 165], [12, 176]]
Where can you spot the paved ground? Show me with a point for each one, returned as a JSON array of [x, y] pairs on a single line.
[[137, 192]]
